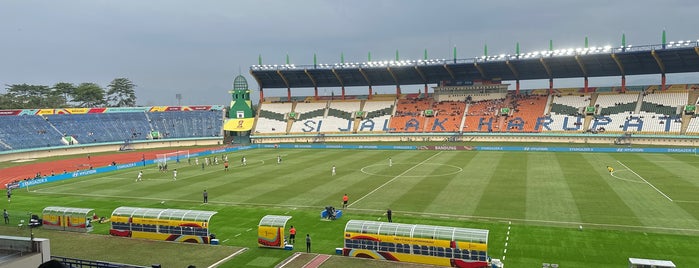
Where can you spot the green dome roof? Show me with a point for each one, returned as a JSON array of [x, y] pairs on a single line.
[[240, 83]]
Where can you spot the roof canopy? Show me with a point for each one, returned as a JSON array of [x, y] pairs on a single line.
[[274, 220], [418, 231], [66, 211], [168, 214], [588, 62]]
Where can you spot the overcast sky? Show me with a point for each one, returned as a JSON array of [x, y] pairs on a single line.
[[196, 48]]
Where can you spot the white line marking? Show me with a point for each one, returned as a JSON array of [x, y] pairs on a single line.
[[620, 178], [424, 214], [216, 264], [224, 241], [651, 185], [248, 230], [505, 244], [504, 251], [394, 178], [287, 261], [237, 235]]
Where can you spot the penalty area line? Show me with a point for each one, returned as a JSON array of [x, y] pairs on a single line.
[[651, 185]]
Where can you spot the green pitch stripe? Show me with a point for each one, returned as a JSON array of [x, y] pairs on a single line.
[[589, 182], [505, 195], [548, 193]]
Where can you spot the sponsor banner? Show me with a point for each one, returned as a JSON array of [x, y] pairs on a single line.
[[76, 110], [198, 108], [446, 148], [97, 110], [44, 111], [334, 146], [587, 149], [80, 173], [10, 112]]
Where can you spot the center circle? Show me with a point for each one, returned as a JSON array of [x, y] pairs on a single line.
[[378, 169]]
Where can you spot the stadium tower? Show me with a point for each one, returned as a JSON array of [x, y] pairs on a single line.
[[240, 118]]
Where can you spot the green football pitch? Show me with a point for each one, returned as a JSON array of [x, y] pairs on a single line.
[[540, 207]]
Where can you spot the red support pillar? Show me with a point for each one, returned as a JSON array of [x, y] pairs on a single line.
[[398, 90], [623, 84], [288, 93], [586, 88], [425, 90], [550, 86], [371, 93], [662, 82], [343, 92], [517, 87], [315, 94], [262, 95]]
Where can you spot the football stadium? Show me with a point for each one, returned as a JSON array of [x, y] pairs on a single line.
[[460, 167]]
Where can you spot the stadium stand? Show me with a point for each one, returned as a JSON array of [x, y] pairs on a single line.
[[526, 110], [482, 116], [339, 114], [609, 104], [31, 130], [310, 116], [408, 116], [378, 115], [448, 115], [271, 117], [187, 124], [27, 131]]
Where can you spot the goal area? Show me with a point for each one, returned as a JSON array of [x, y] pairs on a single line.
[[172, 158]]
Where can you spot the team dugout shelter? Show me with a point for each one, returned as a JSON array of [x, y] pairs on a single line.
[[162, 224], [67, 219], [271, 231], [589, 61], [428, 244]]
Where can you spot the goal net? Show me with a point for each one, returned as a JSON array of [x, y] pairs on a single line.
[[172, 159]]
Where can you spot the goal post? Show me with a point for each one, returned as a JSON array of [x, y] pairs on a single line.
[[172, 158]]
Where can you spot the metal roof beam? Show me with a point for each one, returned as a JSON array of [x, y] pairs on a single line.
[[313, 80], [286, 82], [480, 70], [395, 79], [618, 64], [339, 79], [696, 50], [658, 60], [422, 75], [446, 67], [366, 77], [513, 69], [259, 82], [582, 65], [546, 67]]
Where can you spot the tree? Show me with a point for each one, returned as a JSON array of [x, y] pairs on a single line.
[[121, 93], [89, 95], [26, 96], [67, 89]]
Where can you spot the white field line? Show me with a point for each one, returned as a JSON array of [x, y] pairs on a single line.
[[651, 185], [394, 178], [287, 261], [216, 264], [424, 214]]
